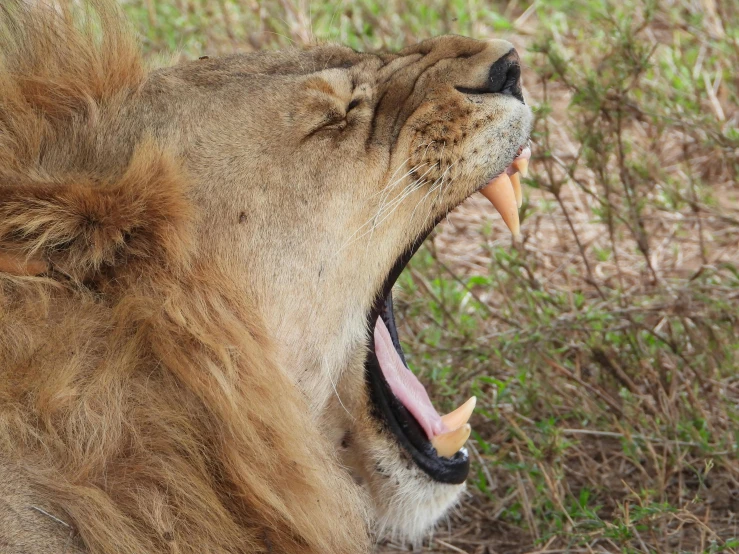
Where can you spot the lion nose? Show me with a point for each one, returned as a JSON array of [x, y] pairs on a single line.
[[505, 76]]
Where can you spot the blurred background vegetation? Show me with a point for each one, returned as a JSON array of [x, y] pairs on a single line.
[[603, 347]]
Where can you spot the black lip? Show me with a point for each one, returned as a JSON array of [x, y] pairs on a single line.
[[509, 90], [388, 409]]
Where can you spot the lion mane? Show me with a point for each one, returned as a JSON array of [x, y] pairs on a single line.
[[141, 409]]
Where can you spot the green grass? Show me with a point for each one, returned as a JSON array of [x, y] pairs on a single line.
[[602, 348]]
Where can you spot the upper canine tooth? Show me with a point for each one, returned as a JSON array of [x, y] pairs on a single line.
[[448, 444], [454, 420], [522, 165], [516, 182], [500, 192]]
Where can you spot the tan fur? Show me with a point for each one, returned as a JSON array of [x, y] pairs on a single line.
[[187, 260]]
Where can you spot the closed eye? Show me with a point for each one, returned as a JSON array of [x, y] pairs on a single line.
[[335, 120]]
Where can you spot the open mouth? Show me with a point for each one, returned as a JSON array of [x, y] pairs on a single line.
[[434, 442]]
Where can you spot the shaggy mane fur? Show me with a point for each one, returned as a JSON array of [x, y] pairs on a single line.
[[137, 389]]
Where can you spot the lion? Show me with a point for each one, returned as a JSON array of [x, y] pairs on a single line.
[[198, 352]]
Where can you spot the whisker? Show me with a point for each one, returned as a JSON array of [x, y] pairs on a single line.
[[379, 212], [373, 216], [385, 210], [394, 205], [434, 187]]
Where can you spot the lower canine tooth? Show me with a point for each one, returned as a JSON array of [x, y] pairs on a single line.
[[460, 416], [448, 444], [516, 182], [500, 192]]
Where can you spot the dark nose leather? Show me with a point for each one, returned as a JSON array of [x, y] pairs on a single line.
[[505, 76]]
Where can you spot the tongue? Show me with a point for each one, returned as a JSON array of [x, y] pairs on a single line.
[[404, 384]]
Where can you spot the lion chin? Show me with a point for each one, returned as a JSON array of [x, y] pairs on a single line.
[[198, 351]]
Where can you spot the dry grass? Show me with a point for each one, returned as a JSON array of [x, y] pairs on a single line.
[[603, 346]]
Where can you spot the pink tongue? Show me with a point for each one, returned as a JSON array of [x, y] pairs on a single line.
[[404, 384]]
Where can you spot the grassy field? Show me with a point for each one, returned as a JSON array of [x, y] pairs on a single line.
[[603, 347]]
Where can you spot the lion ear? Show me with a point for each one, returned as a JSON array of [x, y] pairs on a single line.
[[81, 225]]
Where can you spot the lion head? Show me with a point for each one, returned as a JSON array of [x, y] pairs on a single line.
[[321, 172], [306, 180]]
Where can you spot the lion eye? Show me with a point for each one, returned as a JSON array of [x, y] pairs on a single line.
[[335, 119]]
